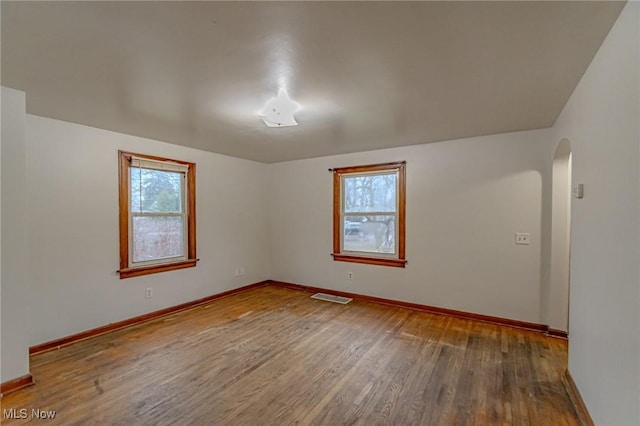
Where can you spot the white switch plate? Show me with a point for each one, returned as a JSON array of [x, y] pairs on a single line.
[[148, 293], [578, 191], [522, 238]]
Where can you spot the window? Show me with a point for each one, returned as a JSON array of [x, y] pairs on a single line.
[[369, 214], [157, 214]]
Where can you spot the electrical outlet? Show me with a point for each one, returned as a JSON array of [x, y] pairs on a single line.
[[349, 275], [242, 270], [148, 293], [522, 238]]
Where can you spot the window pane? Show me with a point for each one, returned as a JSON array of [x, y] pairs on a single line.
[[155, 191], [157, 237], [372, 234], [375, 193]]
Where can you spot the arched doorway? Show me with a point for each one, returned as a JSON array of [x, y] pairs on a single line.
[[560, 238]]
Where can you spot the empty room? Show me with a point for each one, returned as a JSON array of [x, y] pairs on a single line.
[[320, 213]]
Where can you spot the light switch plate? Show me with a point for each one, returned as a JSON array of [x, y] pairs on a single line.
[[578, 191], [522, 238]]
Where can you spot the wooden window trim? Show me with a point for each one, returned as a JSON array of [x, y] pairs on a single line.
[[123, 181], [337, 254]]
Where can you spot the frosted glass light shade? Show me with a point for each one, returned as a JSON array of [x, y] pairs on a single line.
[[278, 111]]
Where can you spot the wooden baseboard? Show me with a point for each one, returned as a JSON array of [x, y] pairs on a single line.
[[425, 308], [576, 399], [15, 384], [63, 341], [558, 333]]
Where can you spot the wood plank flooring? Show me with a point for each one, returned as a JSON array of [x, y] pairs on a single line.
[[274, 356]]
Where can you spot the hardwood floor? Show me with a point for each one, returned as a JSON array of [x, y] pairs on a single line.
[[274, 356]]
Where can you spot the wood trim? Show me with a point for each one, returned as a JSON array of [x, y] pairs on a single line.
[[370, 168], [336, 212], [123, 191], [64, 341], [370, 260], [557, 333], [191, 212], [57, 343], [402, 198], [153, 269], [419, 307], [15, 384], [152, 157], [576, 399], [400, 262]]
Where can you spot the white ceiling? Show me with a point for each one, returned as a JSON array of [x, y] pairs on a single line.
[[368, 75]]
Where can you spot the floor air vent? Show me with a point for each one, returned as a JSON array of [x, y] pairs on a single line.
[[331, 298]]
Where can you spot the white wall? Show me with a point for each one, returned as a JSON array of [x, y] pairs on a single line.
[[14, 360], [465, 201], [601, 120], [72, 187]]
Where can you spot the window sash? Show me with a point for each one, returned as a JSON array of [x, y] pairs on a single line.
[[183, 191], [167, 214], [394, 255], [395, 214], [343, 192], [165, 166], [139, 163]]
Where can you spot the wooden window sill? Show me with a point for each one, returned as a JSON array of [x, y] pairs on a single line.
[[153, 269], [381, 261]]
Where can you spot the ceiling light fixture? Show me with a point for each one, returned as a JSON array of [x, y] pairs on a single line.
[[278, 111]]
